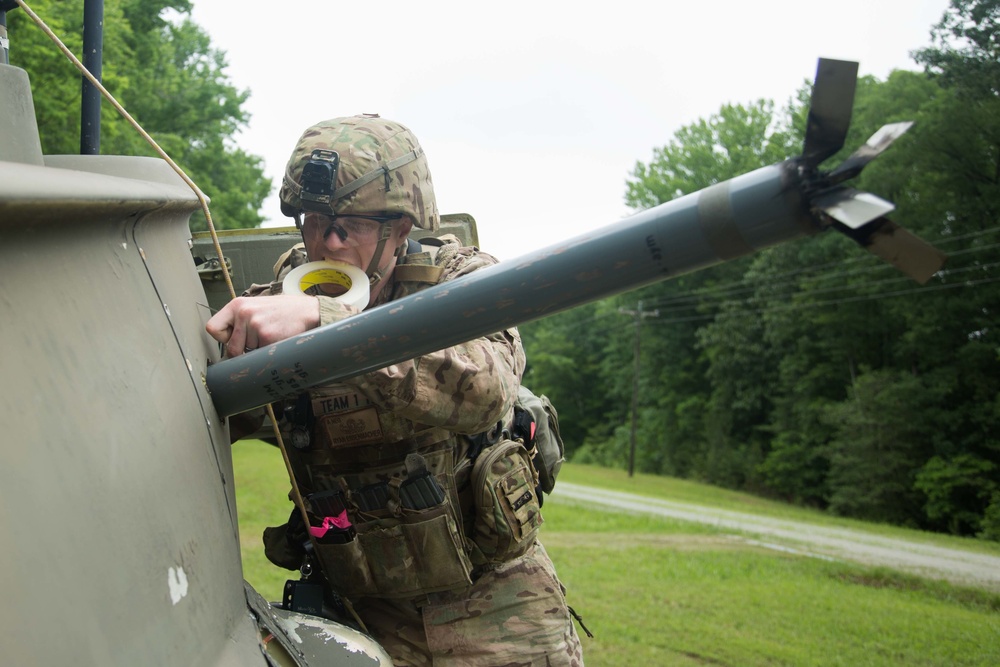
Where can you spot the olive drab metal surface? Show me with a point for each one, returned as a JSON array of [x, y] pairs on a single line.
[[118, 519]]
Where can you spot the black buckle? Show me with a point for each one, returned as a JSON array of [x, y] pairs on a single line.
[[480, 441]]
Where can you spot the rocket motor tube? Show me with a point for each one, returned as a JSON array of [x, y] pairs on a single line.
[[727, 220]]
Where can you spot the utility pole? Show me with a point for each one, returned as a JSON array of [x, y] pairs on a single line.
[[637, 315]]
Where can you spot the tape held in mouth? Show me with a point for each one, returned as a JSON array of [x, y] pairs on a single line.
[[346, 275]]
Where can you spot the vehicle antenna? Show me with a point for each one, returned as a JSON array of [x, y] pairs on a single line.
[[5, 5], [90, 100]]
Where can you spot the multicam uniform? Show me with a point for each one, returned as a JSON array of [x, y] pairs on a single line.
[[415, 577]]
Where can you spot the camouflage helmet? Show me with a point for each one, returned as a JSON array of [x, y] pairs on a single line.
[[382, 169]]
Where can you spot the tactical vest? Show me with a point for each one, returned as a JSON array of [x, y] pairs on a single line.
[[393, 504]]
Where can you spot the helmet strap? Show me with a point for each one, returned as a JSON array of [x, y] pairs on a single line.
[[298, 225], [374, 271]]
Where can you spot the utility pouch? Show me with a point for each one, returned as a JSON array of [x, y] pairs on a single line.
[[418, 553], [408, 533], [506, 501]]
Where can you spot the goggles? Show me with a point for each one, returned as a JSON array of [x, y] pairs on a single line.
[[353, 230]]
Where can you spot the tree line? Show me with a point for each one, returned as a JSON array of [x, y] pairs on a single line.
[[813, 371], [162, 68]]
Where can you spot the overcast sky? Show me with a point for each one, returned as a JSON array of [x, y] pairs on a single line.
[[533, 114]]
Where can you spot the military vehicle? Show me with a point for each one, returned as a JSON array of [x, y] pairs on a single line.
[[118, 516]]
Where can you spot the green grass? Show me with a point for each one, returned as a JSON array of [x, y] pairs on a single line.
[[261, 500], [666, 592]]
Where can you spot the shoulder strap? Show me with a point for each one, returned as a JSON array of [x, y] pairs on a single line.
[[290, 259], [420, 273]]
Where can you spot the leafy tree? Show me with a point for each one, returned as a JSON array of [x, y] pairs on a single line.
[[958, 491], [880, 435], [166, 73], [564, 353], [991, 520], [736, 140], [820, 360], [813, 370], [673, 386], [966, 48], [961, 165], [821, 317]]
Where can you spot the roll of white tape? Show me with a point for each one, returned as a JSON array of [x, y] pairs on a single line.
[[346, 275]]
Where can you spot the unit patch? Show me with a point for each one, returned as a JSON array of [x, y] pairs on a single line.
[[347, 417], [353, 428]]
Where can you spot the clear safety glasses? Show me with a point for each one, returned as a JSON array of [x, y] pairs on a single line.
[[353, 230]]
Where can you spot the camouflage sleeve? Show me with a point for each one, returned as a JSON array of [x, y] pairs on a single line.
[[331, 310], [465, 388]]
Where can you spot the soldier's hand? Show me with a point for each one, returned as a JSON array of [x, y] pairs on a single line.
[[246, 323]]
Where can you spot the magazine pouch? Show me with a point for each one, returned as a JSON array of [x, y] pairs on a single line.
[[405, 538]]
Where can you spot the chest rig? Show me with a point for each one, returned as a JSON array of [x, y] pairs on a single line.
[[382, 493]]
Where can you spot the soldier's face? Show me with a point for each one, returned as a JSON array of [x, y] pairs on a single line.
[[353, 244]]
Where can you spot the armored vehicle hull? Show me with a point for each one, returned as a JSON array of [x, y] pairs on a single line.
[[117, 508]]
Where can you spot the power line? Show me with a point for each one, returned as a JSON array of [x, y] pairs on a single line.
[[742, 287], [715, 296], [809, 305], [832, 302], [862, 258], [887, 281], [600, 331]]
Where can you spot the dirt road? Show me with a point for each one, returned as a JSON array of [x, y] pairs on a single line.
[[963, 567]]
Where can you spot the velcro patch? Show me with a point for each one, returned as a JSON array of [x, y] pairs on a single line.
[[341, 402], [352, 428]]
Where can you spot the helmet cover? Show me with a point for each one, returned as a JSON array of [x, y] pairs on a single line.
[[382, 169]]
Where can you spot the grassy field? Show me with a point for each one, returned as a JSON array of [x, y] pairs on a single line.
[[664, 592]]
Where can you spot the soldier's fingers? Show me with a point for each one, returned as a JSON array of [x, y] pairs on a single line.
[[250, 341], [220, 325], [237, 341]]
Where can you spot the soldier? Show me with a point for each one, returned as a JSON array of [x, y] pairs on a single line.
[[387, 461]]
